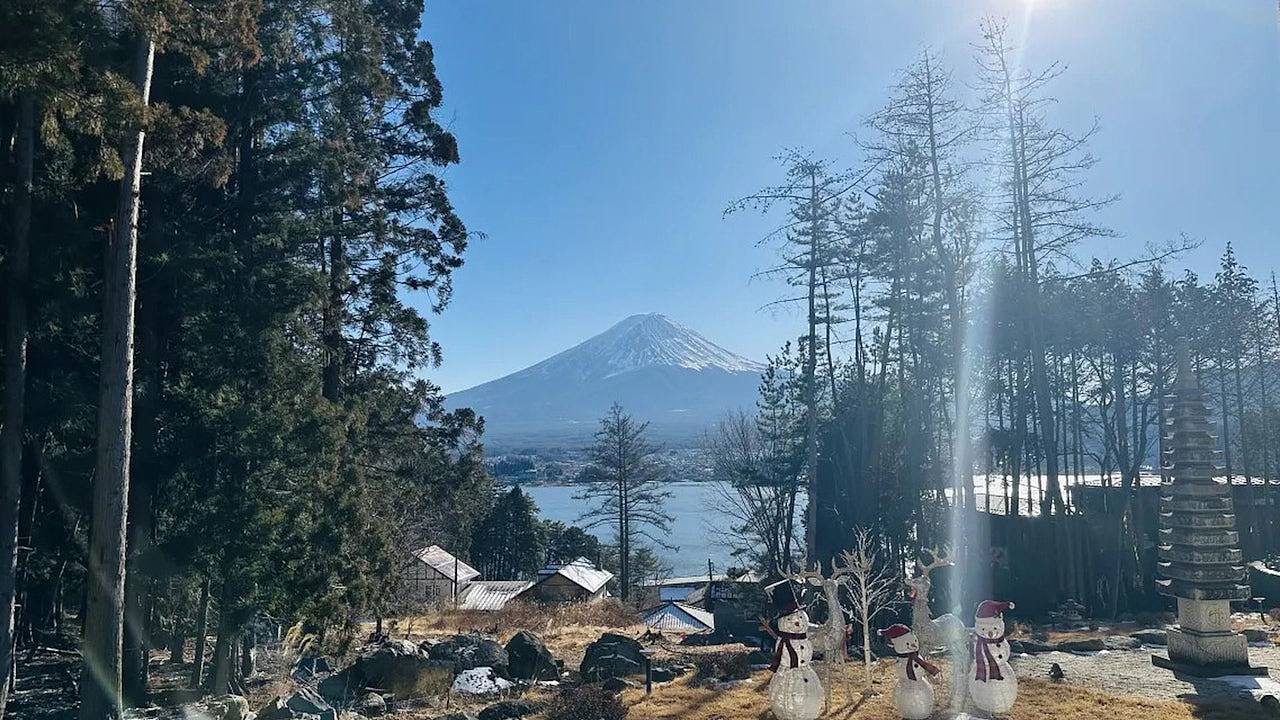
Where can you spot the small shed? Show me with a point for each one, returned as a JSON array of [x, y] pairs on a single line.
[[491, 595], [434, 576], [573, 581], [676, 617]]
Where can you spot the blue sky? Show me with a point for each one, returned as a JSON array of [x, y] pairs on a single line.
[[601, 142]]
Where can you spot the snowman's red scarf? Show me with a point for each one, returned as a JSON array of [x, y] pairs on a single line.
[[913, 659], [984, 663], [784, 641]]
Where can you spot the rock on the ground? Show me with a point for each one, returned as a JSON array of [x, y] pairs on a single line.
[[613, 655], [1121, 642], [304, 703], [458, 716], [1029, 646], [471, 650], [665, 674], [480, 681], [223, 707], [507, 710], [370, 704], [306, 700], [1151, 636], [529, 658], [342, 687], [395, 666], [617, 684], [1255, 635], [1083, 645]]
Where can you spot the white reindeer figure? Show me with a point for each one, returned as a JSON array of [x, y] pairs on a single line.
[[946, 631], [829, 637]]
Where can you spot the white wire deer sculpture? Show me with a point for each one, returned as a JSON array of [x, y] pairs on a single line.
[[946, 632], [829, 637]]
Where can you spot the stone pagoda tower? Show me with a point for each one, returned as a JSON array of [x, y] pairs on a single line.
[[1200, 562]]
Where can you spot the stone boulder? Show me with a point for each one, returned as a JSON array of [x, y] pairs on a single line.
[[480, 681], [304, 703], [1151, 636], [1030, 647], [395, 666], [1121, 642], [471, 650], [507, 710], [665, 674], [1257, 635], [616, 684], [223, 707], [613, 655], [529, 658], [1084, 645], [370, 705]]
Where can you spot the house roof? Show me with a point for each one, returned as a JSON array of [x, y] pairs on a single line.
[[491, 595], [581, 572], [679, 618], [443, 562], [688, 580]]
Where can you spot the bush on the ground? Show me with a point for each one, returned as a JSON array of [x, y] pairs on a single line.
[[589, 702], [539, 617], [723, 665]]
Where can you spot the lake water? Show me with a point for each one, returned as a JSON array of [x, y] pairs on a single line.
[[694, 519]]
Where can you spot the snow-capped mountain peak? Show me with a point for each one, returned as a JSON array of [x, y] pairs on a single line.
[[658, 369], [642, 341]]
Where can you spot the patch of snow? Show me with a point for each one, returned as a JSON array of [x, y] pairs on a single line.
[[1254, 686], [731, 684], [480, 681]]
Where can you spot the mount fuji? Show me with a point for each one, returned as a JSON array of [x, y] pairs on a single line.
[[658, 370]]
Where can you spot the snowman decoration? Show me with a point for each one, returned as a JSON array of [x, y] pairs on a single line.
[[794, 692], [913, 695], [992, 683]]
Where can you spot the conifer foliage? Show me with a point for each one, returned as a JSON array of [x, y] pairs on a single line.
[[243, 230]]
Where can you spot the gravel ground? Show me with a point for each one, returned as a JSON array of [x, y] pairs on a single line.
[[1130, 672]]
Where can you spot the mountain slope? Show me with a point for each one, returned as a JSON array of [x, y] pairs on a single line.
[[657, 369]]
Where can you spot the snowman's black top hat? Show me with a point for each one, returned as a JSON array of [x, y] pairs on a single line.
[[785, 596]]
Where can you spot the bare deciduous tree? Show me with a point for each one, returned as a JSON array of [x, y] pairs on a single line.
[[874, 586]]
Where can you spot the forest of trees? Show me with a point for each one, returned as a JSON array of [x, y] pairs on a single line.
[[224, 231], [953, 330]]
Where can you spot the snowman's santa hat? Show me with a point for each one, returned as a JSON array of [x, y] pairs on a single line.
[[992, 609], [893, 632], [785, 597]]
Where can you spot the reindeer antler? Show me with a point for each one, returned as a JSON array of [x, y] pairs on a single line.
[[808, 573], [940, 559]]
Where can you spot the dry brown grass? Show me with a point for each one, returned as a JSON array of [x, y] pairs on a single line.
[[1037, 700], [566, 628]]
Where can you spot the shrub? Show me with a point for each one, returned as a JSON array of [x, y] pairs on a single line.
[[589, 702], [723, 665]]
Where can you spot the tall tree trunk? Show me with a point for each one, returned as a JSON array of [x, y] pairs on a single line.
[[140, 534], [17, 262], [201, 634], [811, 379], [104, 617]]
